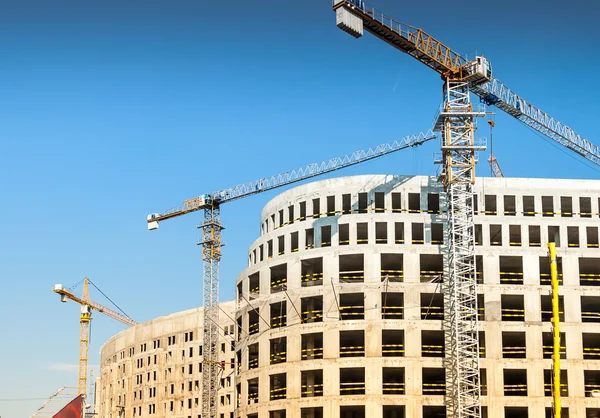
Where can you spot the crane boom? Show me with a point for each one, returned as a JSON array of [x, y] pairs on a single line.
[[497, 94], [289, 177], [95, 306]]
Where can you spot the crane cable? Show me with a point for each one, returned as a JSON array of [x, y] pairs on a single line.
[[103, 294]]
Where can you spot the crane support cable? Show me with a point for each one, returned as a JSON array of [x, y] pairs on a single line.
[[299, 174], [109, 299], [497, 94]]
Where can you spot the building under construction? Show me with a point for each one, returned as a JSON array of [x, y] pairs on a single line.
[[340, 311]]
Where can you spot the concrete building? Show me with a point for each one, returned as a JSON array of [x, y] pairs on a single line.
[[340, 313], [155, 369]]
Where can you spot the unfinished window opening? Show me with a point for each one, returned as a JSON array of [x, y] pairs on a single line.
[[437, 234], [481, 307], [510, 206], [535, 239], [294, 241], [545, 277], [312, 309], [392, 267], [573, 236], [281, 220], [330, 205], [547, 206], [291, 214], [270, 248], [316, 204], [511, 269], [399, 232], [479, 269], [240, 294], [278, 278], [396, 203], [496, 235], [546, 312], [253, 356], [312, 383], [278, 347], [589, 271], [434, 411], [362, 233], [352, 411], [352, 381], [352, 343], [566, 206], [273, 221], [312, 272], [548, 345], [591, 233], [585, 207], [344, 233], [302, 211], [239, 331], [379, 202], [261, 252], [309, 241], [394, 411], [478, 234], [272, 414], [393, 381], [591, 383], [253, 322], [564, 413], [481, 339], [514, 238], [279, 314], [418, 233], [381, 236], [278, 386], [352, 268], [591, 346], [528, 206], [346, 204], [352, 306], [312, 412], [513, 345], [414, 203], [590, 309], [252, 391], [516, 411], [483, 382], [362, 202], [515, 382], [491, 207], [475, 204], [431, 268], [312, 346], [432, 343], [549, 380], [513, 308], [554, 235], [434, 381], [392, 343], [280, 245], [326, 236], [432, 306], [392, 305], [433, 203]]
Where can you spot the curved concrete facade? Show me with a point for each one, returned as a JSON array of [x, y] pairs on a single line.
[[154, 369], [340, 312]]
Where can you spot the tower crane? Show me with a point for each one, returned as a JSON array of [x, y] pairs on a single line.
[[456, 122], [211, 240], [87, 306]]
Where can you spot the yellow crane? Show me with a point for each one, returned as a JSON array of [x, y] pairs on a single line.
[[87, 306]]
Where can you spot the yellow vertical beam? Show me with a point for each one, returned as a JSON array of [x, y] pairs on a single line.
[[556, 331], [84, 340]]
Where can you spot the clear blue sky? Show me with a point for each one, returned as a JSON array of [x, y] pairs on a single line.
[[111, 110]]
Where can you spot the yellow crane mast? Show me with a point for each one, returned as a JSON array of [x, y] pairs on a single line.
[[87, 306]]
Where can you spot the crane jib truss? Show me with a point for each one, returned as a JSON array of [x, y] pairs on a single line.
[[211, 241]]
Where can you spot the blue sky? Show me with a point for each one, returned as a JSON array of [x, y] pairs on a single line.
[[112, 110]]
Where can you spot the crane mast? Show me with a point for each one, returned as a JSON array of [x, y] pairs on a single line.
[[87, 306], [211, 240]]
